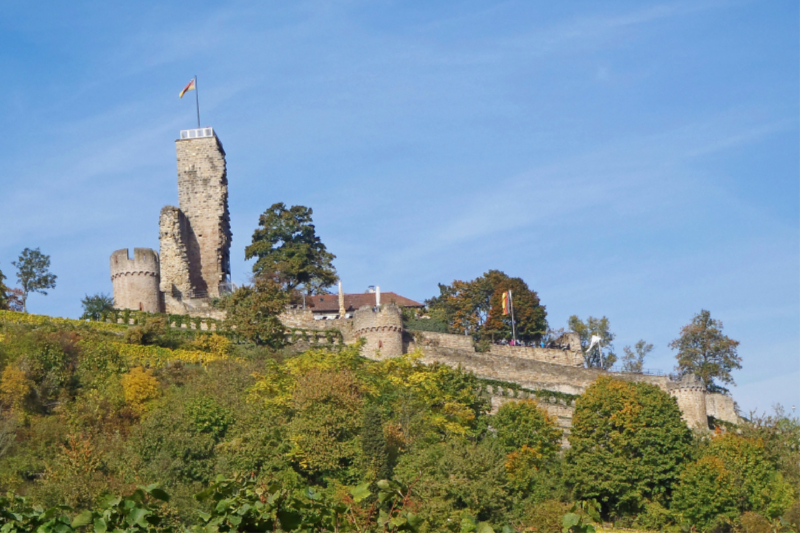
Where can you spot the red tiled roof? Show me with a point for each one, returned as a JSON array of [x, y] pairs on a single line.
[[329, 303]]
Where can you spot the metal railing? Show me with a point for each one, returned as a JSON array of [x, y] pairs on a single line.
[[197, 133]]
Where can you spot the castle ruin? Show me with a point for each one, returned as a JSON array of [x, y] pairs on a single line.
[[193, 267], [559, 370]]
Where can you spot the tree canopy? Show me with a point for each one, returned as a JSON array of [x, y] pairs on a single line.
[[601, 355], [94, 306], [33, 273], [286, 245], [628, 445], [704, 351], [3, 293], [252, 311], [475, 307], [633, 358]]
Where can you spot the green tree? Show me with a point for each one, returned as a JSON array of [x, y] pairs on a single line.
[[252, 311], [524, 423], [95, 306], [733, 476], [33, 273], [475, 307], [374, 450], [628, 444], [601, 354], [633, 359], [286, 244], [705, 352], [3, 293]]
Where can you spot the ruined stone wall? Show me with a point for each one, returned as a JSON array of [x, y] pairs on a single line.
[[175, 278], [382, 328], [135, 280], [203, 199], [721, 407]]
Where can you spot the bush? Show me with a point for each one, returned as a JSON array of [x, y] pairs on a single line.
[[546, 516], [140, 386], [733, 477]]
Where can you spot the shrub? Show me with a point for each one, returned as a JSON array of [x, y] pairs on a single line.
[[140, 386]]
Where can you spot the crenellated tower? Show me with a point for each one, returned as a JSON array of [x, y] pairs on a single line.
[[136, 280]]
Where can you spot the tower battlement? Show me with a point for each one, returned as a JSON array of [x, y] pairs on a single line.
[[195, 238], [136, 279]]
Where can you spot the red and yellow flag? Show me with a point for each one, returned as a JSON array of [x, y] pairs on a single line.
[[505, 303], [189, 87]]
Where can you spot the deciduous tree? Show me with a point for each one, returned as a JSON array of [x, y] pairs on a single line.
[[633, 359], [601, 355], [95, 306], [286, 245], [253, 311], [33, 273], [475, 307], [3, 293], [628, 445], [704, 351]]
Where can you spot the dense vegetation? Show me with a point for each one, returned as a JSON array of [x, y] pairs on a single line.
[[148, 428]]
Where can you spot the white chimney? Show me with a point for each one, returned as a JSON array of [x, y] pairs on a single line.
[[377, 296]]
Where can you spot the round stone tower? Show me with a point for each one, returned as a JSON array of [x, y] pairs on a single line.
[[136, 279], [382, 328], [691, 396]]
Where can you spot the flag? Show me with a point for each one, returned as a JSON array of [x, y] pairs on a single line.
[[505, 303], [594, 340], [189, 87]]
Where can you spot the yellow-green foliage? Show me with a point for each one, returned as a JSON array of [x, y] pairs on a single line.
[[13, 317], [215, 344], [140, 387], [733, 476], [14, 387]]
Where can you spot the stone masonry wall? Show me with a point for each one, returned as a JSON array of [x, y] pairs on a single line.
[[203, 199], [549, 355], [175, 279], [464, 342], [529, 373], [721, 407], [135, 280], [304, 319]]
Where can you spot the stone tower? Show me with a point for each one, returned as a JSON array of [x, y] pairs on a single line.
[[691, 396], [382, 329], [196, 237], [136, 280]]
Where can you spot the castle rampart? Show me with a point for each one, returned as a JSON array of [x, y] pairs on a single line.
[[135, 280]]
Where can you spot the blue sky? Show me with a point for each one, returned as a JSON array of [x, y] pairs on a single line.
[[629, 159]]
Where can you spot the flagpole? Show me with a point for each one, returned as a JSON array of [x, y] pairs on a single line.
[[197, 100], [513, 327]]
